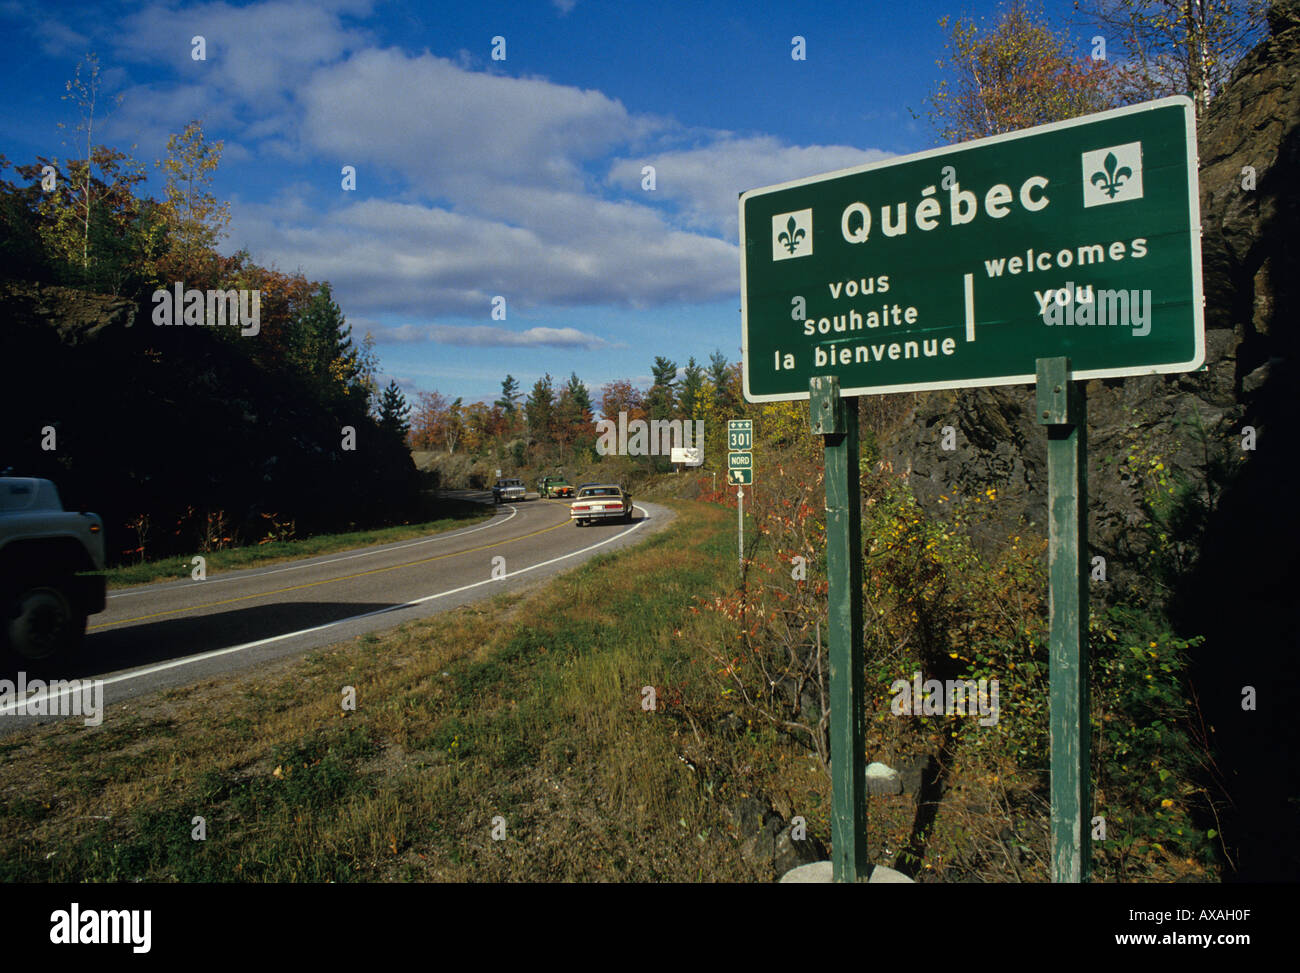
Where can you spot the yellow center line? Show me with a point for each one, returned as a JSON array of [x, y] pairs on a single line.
[[313, 584]]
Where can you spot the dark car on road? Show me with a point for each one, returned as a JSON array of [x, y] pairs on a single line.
[[509, 489]]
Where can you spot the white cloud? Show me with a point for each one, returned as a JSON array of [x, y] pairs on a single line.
[[505, 185], [256, 53], [484, 336], [704, 183], [148, 115], [459, 134], [58, 39], [417, 260]]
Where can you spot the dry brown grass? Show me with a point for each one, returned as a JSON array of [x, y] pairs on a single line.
[[526, 707]]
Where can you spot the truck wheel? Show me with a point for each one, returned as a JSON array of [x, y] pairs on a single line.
[[45, 622]]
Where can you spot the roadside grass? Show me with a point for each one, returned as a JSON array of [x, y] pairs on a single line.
[[462, 514], [520, 717]]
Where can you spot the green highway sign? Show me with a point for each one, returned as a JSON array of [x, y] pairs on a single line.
[[740, 461], [740, 439], [962, 266], [743, 477]]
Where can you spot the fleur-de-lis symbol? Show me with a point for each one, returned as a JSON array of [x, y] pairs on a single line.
[[791, 235], [1110, 181]]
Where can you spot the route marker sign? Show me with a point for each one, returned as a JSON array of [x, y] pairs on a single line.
[[740, 434], [740, 461], [963, 266]]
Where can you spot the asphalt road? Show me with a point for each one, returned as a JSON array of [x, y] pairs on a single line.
[[158, 636]]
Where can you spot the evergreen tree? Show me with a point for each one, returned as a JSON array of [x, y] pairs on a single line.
[[660, 399], [509, 401], [394, 411], [690, 400], [720, 379], [540, 409], [579, 393], [572, 423], [322, 347]]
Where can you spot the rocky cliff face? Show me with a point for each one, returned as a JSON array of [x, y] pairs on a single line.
[[73, 316], [1239, 585]]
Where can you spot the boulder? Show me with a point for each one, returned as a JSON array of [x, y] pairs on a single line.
[[820, 872]]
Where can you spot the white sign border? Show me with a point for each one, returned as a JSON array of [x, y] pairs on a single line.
[[1194, 210]]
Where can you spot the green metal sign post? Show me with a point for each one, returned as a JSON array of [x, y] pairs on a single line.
[[740, 470], [1054, 255], [835, 419], [1062, 408]]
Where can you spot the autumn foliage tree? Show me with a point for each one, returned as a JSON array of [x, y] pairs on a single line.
[[84, 93], [196, 219], [78, 221], [622, 396], [429, 419], [1018, 74]]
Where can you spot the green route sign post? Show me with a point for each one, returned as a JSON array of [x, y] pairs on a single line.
[[740, 470], [1052, 255]]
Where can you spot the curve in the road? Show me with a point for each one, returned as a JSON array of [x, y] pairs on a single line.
[[311, 563], [147, 677], [315, 584]]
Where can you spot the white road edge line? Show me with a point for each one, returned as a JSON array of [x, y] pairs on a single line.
[[216, 653], [254, 573]]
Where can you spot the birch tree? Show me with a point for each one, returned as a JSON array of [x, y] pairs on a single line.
[[1174, 47], [196, 219], [1015, 75]]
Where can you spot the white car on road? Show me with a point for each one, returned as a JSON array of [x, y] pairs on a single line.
[[601, 501]]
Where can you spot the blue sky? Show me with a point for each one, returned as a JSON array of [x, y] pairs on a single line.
[[476, 178]]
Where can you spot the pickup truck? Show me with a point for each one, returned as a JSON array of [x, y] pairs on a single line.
[[507, 490], [45, 552], [601, 501], [555, 486]]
